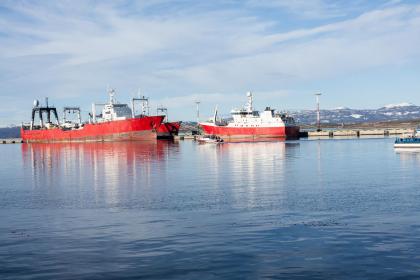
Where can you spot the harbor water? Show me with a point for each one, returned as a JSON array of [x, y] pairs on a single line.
[[308, 209]]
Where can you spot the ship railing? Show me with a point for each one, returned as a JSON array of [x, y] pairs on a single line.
[[407, 140], [69, 125], [26, 126], [221, 123], [34, 127]]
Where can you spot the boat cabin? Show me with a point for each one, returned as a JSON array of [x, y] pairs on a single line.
[[248, 117], [111, 111], [116, 111]]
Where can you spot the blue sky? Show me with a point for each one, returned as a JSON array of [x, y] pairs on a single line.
[[359, 54]]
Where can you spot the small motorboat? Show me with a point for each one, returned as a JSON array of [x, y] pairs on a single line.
[[409, 141], [210, 139]]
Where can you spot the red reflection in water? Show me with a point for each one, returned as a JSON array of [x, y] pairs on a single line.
[[104, 163]]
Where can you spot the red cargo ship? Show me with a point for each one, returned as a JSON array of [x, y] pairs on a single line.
[[167, 130], [115, 123], [248, 123]]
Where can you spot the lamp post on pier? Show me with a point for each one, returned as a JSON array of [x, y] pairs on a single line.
[[318, 115], [197, 102], [198, 111]]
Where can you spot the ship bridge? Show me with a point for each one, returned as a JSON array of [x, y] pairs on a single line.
[[115, 111]]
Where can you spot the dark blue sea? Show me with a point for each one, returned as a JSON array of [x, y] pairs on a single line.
[[308, 209]]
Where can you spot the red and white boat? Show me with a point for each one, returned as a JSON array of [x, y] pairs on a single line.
[[248, 123], [116, 123]]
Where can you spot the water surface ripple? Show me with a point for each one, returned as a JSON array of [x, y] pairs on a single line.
[[328, 209]]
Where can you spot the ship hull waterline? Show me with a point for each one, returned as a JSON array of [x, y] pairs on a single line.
[[407, 146], [167, 130], [134, 129], [252, 132]]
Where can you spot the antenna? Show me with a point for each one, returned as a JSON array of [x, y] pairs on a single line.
[[162, 109], [249, 105], [144, 105], [111, 93]]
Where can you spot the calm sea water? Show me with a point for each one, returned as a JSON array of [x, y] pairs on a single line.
[[328, 209]]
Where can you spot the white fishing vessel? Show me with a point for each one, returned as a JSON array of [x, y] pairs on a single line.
[[249, 123], [409, 141]]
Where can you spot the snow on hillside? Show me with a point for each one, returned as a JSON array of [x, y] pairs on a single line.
[[341, 108], [393, 112], [403, 104]]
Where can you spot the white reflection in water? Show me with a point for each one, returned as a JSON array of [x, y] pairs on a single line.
[[240, 168], [409, 157], [112, 170]]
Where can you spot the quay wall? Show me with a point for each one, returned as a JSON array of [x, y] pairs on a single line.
[[359, 132], [11, 141]]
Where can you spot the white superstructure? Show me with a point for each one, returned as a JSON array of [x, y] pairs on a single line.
[[248, 117], [115, 111], [111, 111]]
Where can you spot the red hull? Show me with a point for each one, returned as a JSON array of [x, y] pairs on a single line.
[[131, 129], [252, 132], [168, 129]]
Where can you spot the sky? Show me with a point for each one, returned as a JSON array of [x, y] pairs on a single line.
[[358, 54]]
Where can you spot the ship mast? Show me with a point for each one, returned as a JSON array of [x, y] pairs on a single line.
[[144, 105], [215, 115], [163, 110], [111, 93], [72, 110], [43, 109], [249, 104]]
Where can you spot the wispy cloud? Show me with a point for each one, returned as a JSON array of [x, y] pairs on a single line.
[[315, 9], [175, 51]]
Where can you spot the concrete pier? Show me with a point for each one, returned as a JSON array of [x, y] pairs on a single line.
[[372, 132], [353, 133], [359, 132], [322, 133], [11, 141], [398, 131]]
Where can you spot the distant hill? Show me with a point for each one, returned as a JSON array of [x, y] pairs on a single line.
[[188, 126], [388, 113], [10, 132]]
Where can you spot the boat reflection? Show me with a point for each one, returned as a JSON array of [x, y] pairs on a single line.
[[407, 151], [239, 168], [112, 170], [254, 140], [408, 154]]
